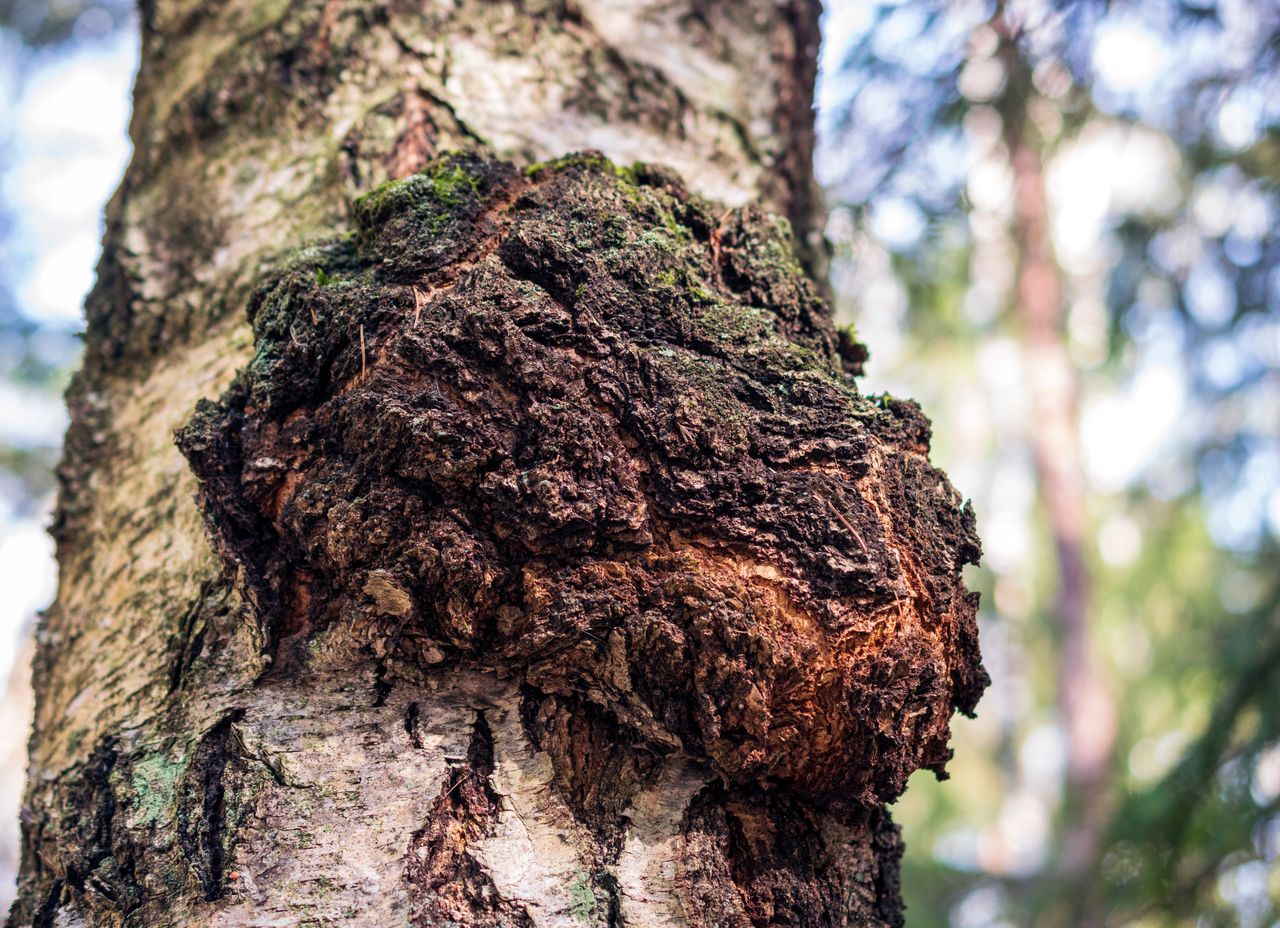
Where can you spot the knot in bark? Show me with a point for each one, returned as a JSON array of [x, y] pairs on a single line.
[[582, 425]]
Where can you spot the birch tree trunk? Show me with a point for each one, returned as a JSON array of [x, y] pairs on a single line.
[[547, 566]]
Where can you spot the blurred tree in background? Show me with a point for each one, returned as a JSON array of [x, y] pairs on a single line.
[[60, 154], [1055, 225]]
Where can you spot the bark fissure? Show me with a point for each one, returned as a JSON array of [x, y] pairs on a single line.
[[201, 810], [448, 885], [412, 715], [94, 836]]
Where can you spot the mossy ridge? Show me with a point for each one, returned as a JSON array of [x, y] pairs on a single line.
[[675, 228], [409, 227], [153, 783], [432, 194], [629, 174]]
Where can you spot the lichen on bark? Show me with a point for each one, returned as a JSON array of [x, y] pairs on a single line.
[[582, 427]]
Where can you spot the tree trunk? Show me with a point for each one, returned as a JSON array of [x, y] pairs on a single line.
[[548, 568], [1084, 701]]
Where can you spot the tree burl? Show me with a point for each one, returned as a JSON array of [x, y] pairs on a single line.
[[582, 427]]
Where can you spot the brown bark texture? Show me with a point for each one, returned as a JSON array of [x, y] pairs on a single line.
[[549, 568]]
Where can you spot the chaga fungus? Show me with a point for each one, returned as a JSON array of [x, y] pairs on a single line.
[[581, 425]]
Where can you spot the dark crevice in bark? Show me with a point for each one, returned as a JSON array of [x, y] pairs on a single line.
[[274, 769], [447, 886], [762, 860], [888, 848], [480, 760], [98, 802], [245, 537], [189, 636], [48, 908], [202, 810], [412, 721], [613, 901], [382, 684], [600, 764], [93, 862]]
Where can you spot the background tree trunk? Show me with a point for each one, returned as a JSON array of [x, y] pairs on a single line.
[[254, 733], [1084, 700]]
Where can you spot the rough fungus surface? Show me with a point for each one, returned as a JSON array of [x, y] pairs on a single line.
[[581, 426]]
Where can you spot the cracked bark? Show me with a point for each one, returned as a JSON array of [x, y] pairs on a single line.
[[549, 568]]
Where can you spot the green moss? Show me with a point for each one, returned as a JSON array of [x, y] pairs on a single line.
[[175, 879], [614, 231], [444, 185], [154, 780], [690, 284], [583, 904], [430, 200], [772, 252], [729, 322], [675, 228], [660, 240], [628, 174]]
